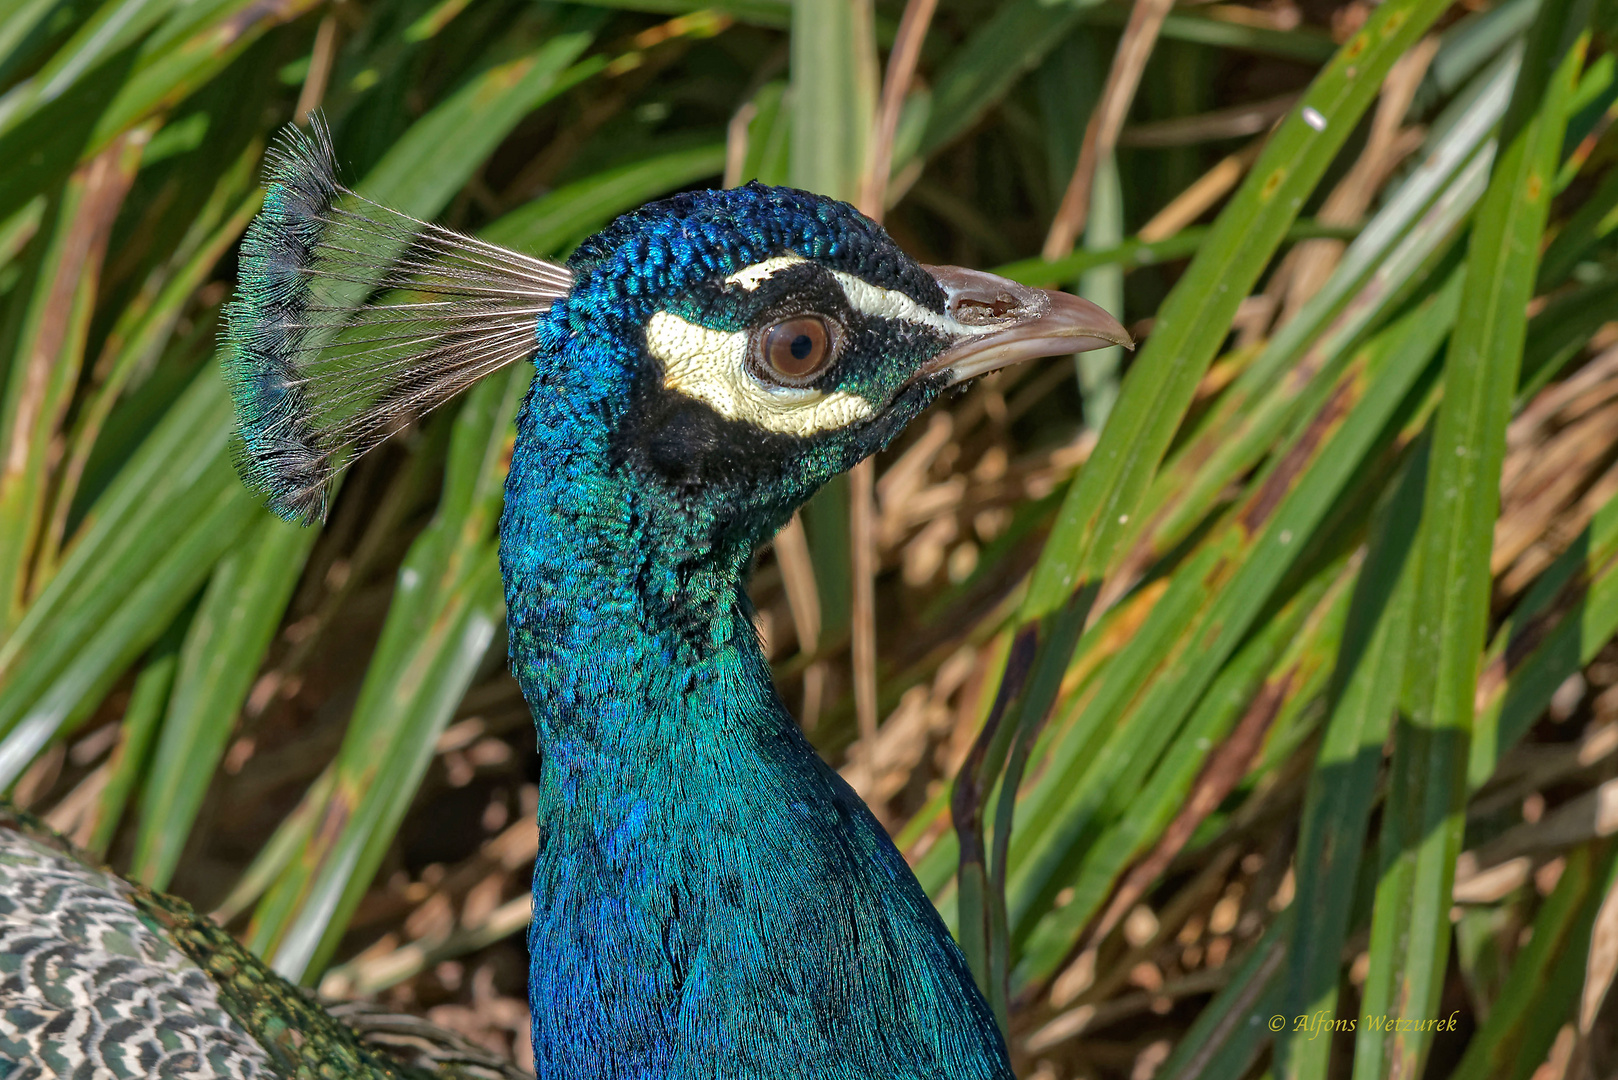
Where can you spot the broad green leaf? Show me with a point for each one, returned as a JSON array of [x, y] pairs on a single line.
[[567, 215], [1191, 322], [1263, 537], [49, 353], [1542, 991], [1342, 788], [1423, 821], [982, 70], [219, 661], [137, 732]]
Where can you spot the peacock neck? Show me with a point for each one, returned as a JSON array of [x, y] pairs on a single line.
[[621, 623], [709, 898]]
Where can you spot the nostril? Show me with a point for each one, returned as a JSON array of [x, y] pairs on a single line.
[[977, 311], [988, 302]]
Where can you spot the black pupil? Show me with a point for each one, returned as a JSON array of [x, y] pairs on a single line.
[[800, 347]]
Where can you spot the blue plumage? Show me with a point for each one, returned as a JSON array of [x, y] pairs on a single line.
[[710, 899]]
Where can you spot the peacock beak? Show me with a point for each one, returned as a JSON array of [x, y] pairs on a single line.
[[1008, 323]]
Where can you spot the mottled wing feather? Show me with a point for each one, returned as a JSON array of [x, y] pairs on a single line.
[[88, 989], [102, 979]]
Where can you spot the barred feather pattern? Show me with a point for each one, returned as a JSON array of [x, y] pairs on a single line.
[[102, 979], [88, 989], [351, 320], [424, 1045]]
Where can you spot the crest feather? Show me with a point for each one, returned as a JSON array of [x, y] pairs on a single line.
[[351, 320]]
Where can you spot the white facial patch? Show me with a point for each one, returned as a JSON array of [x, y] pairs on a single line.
[[711, 366], [862, 296], [883, 303]]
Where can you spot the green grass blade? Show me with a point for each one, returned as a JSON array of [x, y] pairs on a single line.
[[1103, 286], [567, 215], [1450, 179], [137, 732], [1263, 539], [136, 341], [146, 604], [175, 478], [50, 353], [1281, 383], [1594, 221], [423, 170], [1558, 333], [441, 621], [17, 27], [834, 84], [114, 26], [832, 100], [180, 59], [224, 647], [291, 836], [1229, 1033], [1013, 41], [1422, 826], [1559, 626], [1342, 788], [1192, 321], [1134, 252], [776, 14], [1543, 989], [1305, 44], [133, 525], [1282, 665]]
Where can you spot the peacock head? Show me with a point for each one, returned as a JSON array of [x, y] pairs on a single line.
[[727, 351], [742, 347]]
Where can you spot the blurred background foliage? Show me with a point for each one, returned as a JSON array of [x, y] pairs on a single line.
[[1285, 640]]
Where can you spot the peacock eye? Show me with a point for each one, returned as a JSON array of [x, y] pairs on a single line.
[[797, 348]]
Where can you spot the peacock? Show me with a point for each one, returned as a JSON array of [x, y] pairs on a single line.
[[710, 899]]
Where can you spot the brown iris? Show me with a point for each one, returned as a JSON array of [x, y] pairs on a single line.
[[797, 348]]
